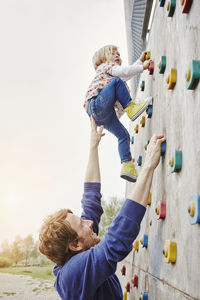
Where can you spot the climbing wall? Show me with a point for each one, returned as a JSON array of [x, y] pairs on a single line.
[[165, 261]]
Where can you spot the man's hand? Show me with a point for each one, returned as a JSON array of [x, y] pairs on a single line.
[[85, 105], [154, 150], [93, 172], [96, 135], [140, 192]]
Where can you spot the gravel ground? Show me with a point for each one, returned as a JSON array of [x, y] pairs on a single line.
[[20, 287]]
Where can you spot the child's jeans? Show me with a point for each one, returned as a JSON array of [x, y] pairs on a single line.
[[102, 109]]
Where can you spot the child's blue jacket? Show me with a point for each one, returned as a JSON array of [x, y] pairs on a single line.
[[91, 274]]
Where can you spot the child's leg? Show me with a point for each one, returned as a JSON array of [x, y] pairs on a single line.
[[116, 128], [102, 106], [104, 102], [128, 171]]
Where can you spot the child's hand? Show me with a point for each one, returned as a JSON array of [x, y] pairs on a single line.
[[146, 64], [143, 56]]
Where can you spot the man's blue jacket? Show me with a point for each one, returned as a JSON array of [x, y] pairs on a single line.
[[90, 275]]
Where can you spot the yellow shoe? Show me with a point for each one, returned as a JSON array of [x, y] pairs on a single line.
[[135, 110], [129, 172]]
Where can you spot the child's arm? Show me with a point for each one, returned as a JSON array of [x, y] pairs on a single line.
[[126, 72]]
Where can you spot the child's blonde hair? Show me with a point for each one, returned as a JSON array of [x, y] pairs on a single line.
[[102, 54]]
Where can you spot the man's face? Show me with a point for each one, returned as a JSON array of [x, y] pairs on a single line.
[[86, 237]]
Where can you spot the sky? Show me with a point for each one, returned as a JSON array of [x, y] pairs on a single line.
[[46, 49]]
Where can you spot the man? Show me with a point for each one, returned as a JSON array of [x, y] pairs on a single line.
[[85, 265]]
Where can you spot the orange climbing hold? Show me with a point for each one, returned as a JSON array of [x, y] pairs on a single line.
[[136, 129], [142, 122]]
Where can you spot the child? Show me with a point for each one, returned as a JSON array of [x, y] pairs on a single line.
[[108, 97]]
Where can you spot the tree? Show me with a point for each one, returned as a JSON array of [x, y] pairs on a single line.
[[6, 249], [28, 248], [111, 208], [17, 250]]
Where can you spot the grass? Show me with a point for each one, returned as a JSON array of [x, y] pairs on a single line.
[[34, 272], [9, 294]]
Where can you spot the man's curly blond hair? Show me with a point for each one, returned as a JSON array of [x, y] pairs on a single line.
[[55, 236]]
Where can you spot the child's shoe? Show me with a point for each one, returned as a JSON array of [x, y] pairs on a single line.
[[135, 110], [129, 172]]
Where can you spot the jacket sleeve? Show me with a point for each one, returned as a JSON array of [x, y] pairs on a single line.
[[91, 204], [88, 271], [101, 260], [127, 72]]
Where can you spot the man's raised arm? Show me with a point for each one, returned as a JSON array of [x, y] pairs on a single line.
[[91, 201], [93, 171], [140, 192]]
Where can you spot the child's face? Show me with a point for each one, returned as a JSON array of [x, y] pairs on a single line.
[[114, 56]]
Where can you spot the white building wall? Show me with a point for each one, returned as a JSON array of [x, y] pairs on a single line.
[[176, 114]]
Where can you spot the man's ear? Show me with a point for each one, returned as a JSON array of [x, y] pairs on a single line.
[[75, 247]]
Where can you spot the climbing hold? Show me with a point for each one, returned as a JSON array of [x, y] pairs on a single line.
[[161, 210], [194, 209], [125, 295], [188, 75], [169, 251], [193, 75], [143, 296], [123, 270], [149, 199], [162, 3], [132, 140], [186, 6], [171, 7], [148, 55], [135, 280], [163, 148], [144, 241], [142, 122], [142, 85], [176, 161], [151, 67], [127, 287], [171, 162], [139, 161], [136, 245], [145, 146], [191, 208], [149, 111], [136, 128], [171, 79], [162, 65]]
